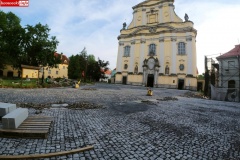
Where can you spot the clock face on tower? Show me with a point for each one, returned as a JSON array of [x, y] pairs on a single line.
[[151, 63]]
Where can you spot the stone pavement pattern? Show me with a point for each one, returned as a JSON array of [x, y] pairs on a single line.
[[129, 127]]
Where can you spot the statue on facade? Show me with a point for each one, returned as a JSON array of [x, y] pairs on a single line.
[[136, 69], [156, 62], [145, 62], [124, 26], [186, 17], [167, 70]]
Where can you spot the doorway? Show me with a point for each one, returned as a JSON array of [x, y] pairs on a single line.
[[180, 84], [150, 80], [9, 74], [124, 80], [1, 73], [199, 86]]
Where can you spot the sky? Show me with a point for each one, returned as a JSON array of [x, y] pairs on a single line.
[[96, 24]]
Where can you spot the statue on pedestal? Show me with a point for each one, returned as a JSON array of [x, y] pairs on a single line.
[[186, 17], [124, 26]]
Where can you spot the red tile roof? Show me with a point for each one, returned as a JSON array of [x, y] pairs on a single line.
[[232, 53], [64, 58], [107, 72]]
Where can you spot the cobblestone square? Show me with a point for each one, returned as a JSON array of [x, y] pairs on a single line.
[[130, 125]]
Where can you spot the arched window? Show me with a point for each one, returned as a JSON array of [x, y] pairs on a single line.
[[127, 51], [231, 84], [152, 49], [181, 48]]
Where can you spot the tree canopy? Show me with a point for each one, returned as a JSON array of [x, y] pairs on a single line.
[[30, 45], [84, 66]]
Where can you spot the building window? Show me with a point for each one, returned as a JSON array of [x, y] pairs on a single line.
[[231, 64], [56, 72], [49, 71], [181, 48], [152, 49], [125, 66], [231, 84], [127, 51], [63, 67], [181, 67]]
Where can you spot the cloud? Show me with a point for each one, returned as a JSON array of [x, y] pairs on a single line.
[[217, 25]]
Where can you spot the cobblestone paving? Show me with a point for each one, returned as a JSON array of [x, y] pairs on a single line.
[[130, 127]]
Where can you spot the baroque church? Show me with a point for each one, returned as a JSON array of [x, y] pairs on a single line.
[[157, 49]]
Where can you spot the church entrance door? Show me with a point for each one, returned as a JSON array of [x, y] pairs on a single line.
[[181, 84], [150, 80], [124, 80]]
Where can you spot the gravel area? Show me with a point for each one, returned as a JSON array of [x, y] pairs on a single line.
[[127, 124]]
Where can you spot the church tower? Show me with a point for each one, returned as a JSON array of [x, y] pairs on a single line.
[[157, 49]]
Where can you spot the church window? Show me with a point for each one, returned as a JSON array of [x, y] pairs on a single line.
[[127, 51], [152, 49], [181, 48], [181, 67], [231, 64]]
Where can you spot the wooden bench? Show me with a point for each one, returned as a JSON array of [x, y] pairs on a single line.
[[13, 119], [6, 108]]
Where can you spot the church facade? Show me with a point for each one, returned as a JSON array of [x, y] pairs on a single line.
[[157, 49]]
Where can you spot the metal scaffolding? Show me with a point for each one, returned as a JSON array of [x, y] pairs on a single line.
[[219, 75]]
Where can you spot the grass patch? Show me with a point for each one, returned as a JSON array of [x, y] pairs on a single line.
[[18, 83]]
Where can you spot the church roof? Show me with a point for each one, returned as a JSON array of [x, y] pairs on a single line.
[[232, 53]]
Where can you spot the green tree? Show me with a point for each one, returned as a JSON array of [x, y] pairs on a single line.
[[74, 67], [39, 46], [83, 63], [31, 45], [11, 39]]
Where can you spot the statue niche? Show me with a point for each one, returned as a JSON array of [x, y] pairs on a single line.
[[136, 69], [166, 69]]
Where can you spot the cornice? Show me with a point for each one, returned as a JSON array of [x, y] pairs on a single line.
[[153, 30], [144, 4]]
